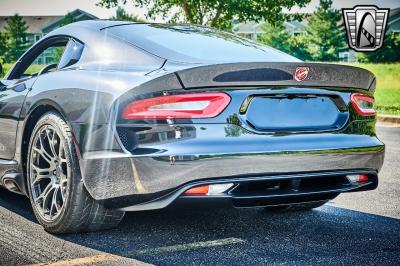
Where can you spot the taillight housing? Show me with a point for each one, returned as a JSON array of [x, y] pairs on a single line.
[[358, 178], [194, 105], [209, 190], [363, 104]]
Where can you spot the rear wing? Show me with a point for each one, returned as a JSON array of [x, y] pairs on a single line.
[[277, 74]]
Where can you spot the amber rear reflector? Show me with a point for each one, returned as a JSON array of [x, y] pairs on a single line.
[[197, 191]]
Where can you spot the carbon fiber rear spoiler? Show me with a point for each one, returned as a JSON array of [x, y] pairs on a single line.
[[276, 74]]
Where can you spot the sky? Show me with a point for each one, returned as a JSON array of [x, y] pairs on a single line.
[[61, 7]]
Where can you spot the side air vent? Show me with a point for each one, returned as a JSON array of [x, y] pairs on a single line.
[[127, 137]]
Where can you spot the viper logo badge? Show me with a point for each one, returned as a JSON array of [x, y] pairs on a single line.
[[301, 73], [366, 27]]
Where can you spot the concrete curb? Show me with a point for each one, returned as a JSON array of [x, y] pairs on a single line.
[[389, 120]]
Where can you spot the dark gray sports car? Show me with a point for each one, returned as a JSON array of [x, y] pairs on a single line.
[[129, 117]]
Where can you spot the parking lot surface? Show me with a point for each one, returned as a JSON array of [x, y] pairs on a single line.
[[356, 228]]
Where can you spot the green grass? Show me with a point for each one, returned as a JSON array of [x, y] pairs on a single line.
[[387, 94], [31, 69], [6, 67], [388, 75], [388, 101]]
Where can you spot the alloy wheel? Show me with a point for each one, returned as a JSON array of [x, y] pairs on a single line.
[[48, 172]]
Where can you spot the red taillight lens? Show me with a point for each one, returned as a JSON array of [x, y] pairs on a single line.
[[196, 105], [363, 179], [363, 104]]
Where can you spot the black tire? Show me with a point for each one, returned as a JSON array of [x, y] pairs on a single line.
[[79, 211], [296, 207]]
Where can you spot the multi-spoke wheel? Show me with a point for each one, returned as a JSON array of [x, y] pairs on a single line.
[[58, 196], [49, 172]]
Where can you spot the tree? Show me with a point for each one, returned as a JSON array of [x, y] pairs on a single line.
[[215, 13], [300, 48], [67, 19], [325, 38], [279, 37], [3, 46], [121, 14], [389, 52], [16, 38]]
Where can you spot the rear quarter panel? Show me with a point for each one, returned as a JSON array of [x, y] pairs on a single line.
[[85, 99]]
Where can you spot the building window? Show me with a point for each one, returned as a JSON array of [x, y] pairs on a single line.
[[37, 37], [344, 56], [249, 36]]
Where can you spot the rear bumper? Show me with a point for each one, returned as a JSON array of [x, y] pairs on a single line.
[[122, 179], [272, 190]]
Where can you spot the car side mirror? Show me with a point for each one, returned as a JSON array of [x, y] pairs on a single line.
[[4, 84]]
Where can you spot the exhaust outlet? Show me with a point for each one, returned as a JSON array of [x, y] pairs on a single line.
[[10, 182]]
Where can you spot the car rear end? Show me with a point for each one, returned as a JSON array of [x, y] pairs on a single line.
[[248, 135]]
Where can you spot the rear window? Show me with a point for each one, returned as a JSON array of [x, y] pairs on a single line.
[[195, 44]]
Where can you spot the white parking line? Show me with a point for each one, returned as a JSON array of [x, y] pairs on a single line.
[[150, 251], [81, 261], [183, 247]]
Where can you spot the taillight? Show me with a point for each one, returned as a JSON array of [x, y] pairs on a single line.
[[357, 178], [197, 191], [363, 104], [209, 190], [196, 105]]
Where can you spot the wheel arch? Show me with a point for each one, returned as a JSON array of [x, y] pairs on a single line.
[[34, 114]]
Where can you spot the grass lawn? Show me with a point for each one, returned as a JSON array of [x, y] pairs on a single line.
[[31, 69], [6, 67], [387, 94]]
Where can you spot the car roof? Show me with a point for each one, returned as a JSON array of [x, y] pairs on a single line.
[[93, 32], [194, 43], [95, 24]]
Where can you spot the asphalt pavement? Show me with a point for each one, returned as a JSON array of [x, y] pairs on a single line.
[[357, 228]]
